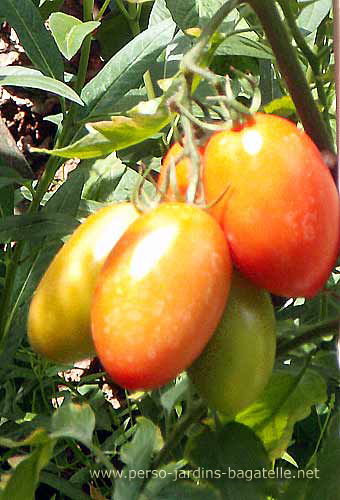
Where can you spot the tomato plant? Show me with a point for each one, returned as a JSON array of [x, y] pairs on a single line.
[[281, 212], [236, 364], [59, 315], [160, 295]]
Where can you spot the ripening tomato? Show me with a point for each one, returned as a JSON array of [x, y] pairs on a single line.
[[236, 364], [160, 295], [59, 316], [281, 212], [182, 170]]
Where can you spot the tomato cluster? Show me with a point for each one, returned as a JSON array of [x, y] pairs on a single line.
[[155, 294]]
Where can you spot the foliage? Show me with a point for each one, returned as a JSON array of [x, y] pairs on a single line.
[[63, 438]]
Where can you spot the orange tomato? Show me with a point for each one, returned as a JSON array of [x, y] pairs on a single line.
[[160, 295]]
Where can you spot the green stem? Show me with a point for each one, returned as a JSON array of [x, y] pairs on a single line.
[[292, 72], [132, 16], [313, 59], [309, 333], [102, 10]]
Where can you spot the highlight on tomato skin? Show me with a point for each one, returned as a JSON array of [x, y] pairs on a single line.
[[59, 316], [237, 362], [160, 295], [281, 213]]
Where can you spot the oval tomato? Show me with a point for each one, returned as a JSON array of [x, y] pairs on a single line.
[[281, 212], [59, 316], [237, 362], [182, 170], [160, 295]]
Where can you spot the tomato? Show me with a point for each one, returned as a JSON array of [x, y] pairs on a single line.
[[281, 212], [160, 295], [182, 170], [59, 316], [236, 364]]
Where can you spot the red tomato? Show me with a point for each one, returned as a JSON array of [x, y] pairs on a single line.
[[182, 170], [160, 295], [281, 213]]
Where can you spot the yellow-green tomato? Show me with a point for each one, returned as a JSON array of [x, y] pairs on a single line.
[[237, 362], [59, 316]]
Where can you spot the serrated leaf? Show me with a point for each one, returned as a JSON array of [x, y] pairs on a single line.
[[69, 32], [124, 70], [35, 226], [287, 399], [37, 41], [25, 77], [75, 421], [137, 456], [232, 453]]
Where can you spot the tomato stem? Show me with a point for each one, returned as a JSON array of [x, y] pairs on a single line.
[[292, 72], [308, 335]]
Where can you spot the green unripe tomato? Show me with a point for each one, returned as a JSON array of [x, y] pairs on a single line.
[[59, 316], [237, 362]]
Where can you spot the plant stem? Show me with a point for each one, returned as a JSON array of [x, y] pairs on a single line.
[[195, 412], [312, 58], [292, 72], [102, 10], [310, 333]]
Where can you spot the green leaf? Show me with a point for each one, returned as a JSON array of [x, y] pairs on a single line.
[[48, 6], [75, 421], [176, 393], [137, 456], [92, 145], [10, 155], [124, 70], [25, 77], [103, 177], [284, 106], [144, 120], [185, 14], [10, 176], [63, 486], [287, 399], [69, 32], [39, 436], [35, 226], [24, 480], [37, 41], [240, 45], [228, 458], [312, 15]]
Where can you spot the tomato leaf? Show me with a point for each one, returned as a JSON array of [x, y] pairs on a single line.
[[25, 477], [137, 456], [37, 41], [69, 32], [324, 481], [75, 421], [218, 456], [104, 175], [287, 399], [33, 226], [124, 70], [185, 490], [31, 78], [144, 120]]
